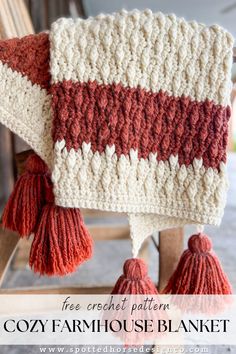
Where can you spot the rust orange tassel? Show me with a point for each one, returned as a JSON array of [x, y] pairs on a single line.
[[61, 240], [199, 271], [25, 203], [135, 280]]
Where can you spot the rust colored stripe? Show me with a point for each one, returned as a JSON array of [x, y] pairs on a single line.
[[134, 118], [28, 56]]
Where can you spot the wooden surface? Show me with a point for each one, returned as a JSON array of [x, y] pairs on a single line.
[[98, 233], [8, 244], [170, 250], [6, 165], [170, 241], [14, 22]]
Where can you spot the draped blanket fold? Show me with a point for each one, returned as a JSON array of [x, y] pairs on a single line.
[[130, 111]]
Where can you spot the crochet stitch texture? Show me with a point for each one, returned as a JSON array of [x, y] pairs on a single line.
[[139, 114], [24, 83]]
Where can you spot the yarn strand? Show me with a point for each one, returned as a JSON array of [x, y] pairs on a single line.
[[199, 271]]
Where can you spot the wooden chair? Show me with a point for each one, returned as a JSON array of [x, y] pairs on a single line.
[[15, 21], [170, 247]]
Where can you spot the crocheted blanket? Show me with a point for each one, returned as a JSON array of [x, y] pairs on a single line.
[[130, 111]]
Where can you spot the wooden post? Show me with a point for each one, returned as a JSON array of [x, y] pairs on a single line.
[[170, 250], [144, 250], [8, 244], [6, 163]]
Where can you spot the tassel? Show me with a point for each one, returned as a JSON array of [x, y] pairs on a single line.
[[61, 240], [199, 271], [135, 280], [26, 201]]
